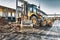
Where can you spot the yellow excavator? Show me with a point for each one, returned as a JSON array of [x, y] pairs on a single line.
[[31, 12]]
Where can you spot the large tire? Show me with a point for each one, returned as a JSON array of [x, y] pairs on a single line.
[[34, 19], [44, 23]]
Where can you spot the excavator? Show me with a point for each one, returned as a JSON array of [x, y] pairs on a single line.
[[31, 12]]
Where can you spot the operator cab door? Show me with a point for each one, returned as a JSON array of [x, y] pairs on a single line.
[[34, 9], [31, 9]]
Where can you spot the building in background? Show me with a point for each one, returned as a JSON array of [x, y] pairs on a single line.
[[7, 13]]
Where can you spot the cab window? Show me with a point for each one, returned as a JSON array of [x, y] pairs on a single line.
[[34, 10], [30, 9]]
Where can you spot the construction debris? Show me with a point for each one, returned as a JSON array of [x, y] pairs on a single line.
[[2, 21]]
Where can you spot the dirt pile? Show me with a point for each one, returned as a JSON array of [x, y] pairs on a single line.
[[8, 27], [4, 26]]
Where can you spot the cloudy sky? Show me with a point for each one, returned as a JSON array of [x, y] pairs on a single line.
[[48, 6]]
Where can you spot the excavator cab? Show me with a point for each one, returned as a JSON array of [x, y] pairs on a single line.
[[32, 9]]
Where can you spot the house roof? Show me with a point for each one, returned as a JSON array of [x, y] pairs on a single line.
[[7, 7]]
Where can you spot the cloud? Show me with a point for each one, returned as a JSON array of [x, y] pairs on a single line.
[[8, 3]]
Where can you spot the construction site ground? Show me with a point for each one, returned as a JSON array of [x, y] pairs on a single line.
[[13, 31], [27, 35]]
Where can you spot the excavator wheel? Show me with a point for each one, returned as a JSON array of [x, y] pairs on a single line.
[[34, 20]]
